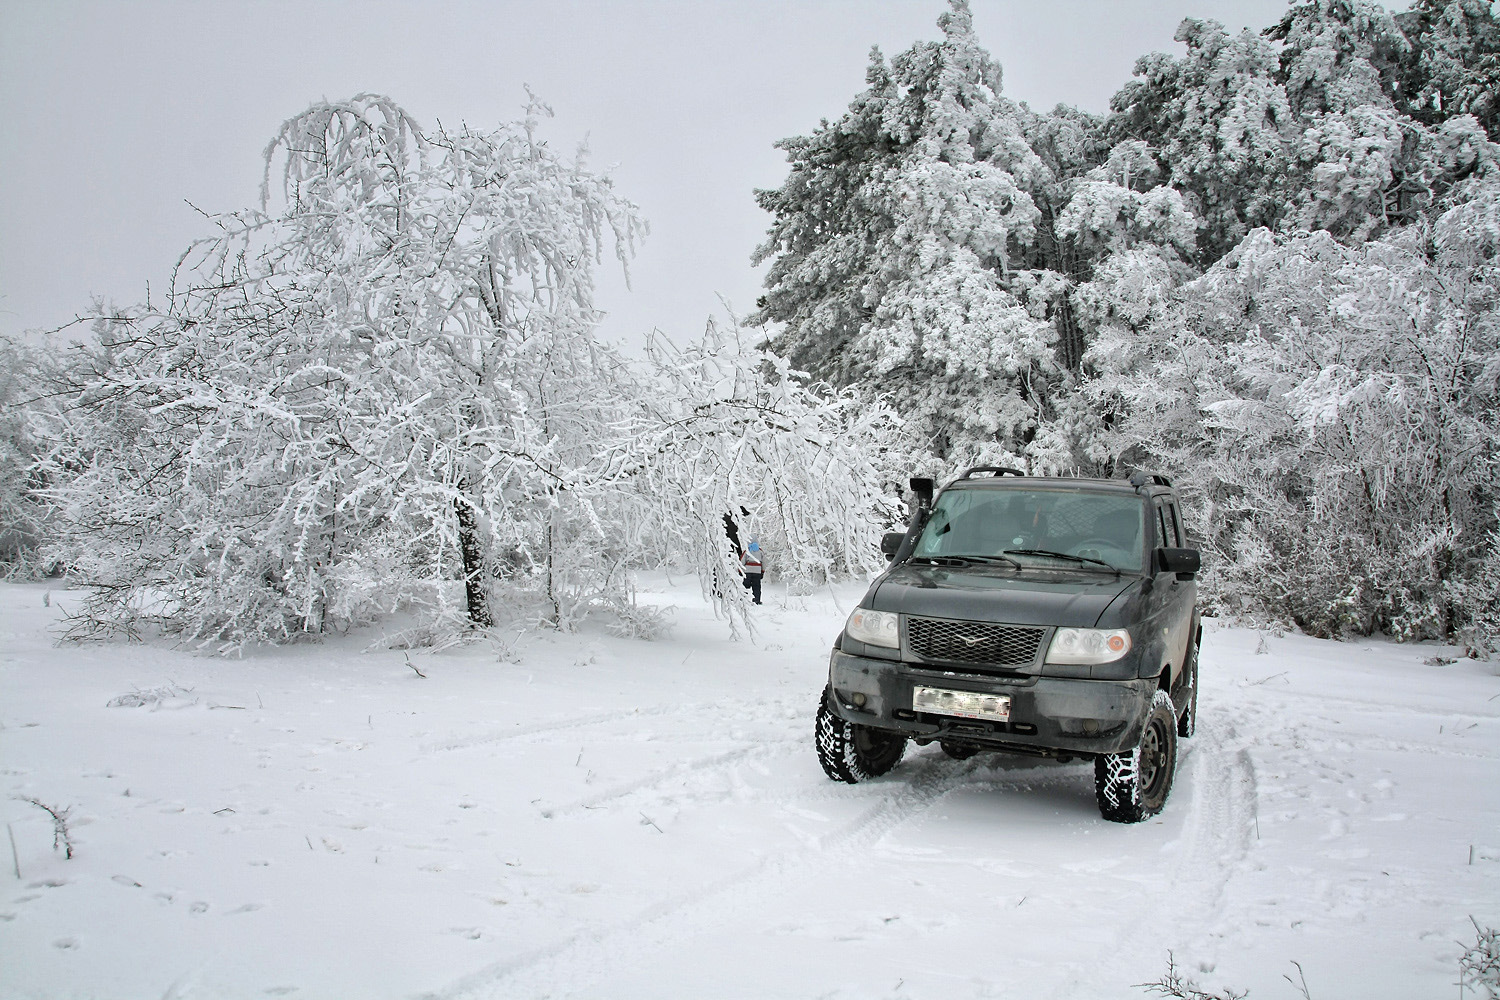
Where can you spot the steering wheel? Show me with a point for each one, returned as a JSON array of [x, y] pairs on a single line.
[[1089, 547]]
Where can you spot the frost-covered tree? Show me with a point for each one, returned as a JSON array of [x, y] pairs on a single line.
[[21, 513], [731, 428], [895, 247], [1219, 120], [1142, 236], [1069, 144], [381, 385], [332, 371], [1337, 55], [1324, 121], [1334, 409], [1364, 163], [1453, 65], [1122, 204]]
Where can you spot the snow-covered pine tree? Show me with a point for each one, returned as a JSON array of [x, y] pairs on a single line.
[[891, 254], [1453, 65], [1218, 120], [1368, 165]]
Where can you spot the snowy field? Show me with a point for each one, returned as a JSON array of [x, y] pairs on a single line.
[[588, 816]]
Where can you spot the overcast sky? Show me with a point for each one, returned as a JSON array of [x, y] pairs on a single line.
[[114, 114]]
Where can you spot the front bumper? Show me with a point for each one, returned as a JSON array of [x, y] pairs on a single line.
[[1053, 716]]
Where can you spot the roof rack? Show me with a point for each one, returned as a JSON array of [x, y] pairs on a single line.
[[996, 470], [1139, 479]]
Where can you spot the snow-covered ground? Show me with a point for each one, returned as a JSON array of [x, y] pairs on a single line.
[[588, 816]]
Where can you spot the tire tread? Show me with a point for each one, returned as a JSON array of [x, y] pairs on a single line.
[[1117, 784]]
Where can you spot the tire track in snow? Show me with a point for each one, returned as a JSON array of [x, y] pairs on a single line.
[[1350, 715], [1217, 836], [1214, 844], [524, 730], [708, 764], [702, 765], [1216, 839], [556, 726], [584, 959]]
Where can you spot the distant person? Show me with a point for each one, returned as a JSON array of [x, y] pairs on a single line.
[[753, 569]]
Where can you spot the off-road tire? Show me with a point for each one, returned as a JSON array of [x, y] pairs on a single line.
[[958, 751], [851, 752], [1133, 785], [1187, 722]]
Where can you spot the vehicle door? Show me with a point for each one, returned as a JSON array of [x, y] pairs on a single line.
[[1174, 598]]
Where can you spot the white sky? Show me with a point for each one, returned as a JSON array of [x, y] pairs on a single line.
[[113, 115]]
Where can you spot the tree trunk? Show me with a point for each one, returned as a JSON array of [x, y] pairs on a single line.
[[471, 546], [1070, 336], [1059, 255]]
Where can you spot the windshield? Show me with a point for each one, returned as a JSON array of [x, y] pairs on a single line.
[[1035, 527]]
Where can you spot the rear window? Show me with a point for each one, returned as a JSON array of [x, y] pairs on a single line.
[[1099, 526]]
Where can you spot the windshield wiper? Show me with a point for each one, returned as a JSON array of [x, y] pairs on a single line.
[[1062, 555], [967, 560]]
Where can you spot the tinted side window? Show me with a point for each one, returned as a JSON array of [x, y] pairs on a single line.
[[1166, 526], [1175, 526]]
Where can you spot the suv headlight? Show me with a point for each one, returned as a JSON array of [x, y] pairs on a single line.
[[875, 628], [1088, 645]]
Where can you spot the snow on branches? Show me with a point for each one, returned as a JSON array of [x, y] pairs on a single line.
[[382, 389], [731, 429], [1269, 271], [1335, 410]]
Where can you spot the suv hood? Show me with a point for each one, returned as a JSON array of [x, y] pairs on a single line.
[[1062, 597]]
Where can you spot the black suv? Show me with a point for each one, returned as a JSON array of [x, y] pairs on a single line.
[[1037, 615]]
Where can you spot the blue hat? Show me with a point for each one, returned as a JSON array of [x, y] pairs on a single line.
[[754, 546]]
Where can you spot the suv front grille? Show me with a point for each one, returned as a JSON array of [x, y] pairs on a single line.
[[974, 642]]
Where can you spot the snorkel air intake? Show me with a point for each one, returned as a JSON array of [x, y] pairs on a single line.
[[897, 545], [923, 488]]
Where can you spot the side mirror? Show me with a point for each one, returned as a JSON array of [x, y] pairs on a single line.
[[1184, 562], [890, 542]]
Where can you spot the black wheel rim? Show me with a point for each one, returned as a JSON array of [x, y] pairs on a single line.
[[874, 746], [1153, 762]]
